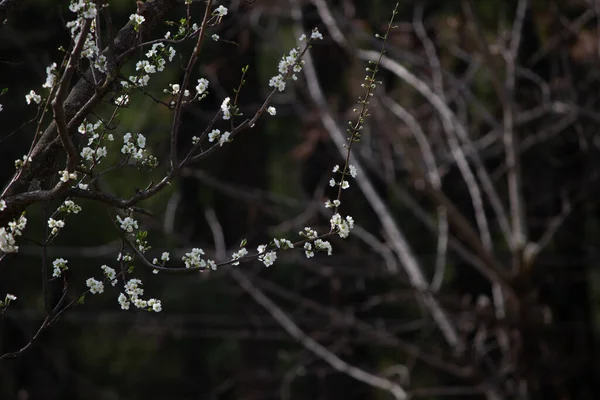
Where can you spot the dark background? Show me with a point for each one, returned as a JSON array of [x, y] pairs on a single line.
[[211, 341]]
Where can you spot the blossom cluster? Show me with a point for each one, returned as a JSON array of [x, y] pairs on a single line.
[[165, 256], [132, 295], [60, 265], [96, 286], [193, 259], [266, 257], [343, 183], [65, 175], [110, 274], [291, 64], [20, 163], [134, 147], [128, 224], [55, 225], [239, 254], [216, 135], [7, 299], [85, 10], [33, 97], [341, 226], [8, 236], [68, 207], [156, 60]]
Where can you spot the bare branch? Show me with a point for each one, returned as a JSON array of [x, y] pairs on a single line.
[[293, 330], [399, 242], [185, 83], [495, 271]]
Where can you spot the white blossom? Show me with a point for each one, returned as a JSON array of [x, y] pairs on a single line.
[[60, 265], [122, 100], [8, 236], [171, 52], [2, 205], [215, 134], [96, 287], [332, 204], [7, 241], [353, 171], [224, 138], [55, 225], [309, 233], [66, 175], [283, 244], [33, 96], [133, 288], [323, 245], [278, 82], [271, 110], [110, 274], [194, 259], [155, 305], [101, 152], [225, 108], [202, 86], [316, 34], [350, 221], [128, 224], [211, 264], [124, 302], [308, 250], [87, 153], [136, 19], [141, 141], [70, 207], [50, 76], [341, 226], [239, 254], [100, 63], [140, 303], [267, 258], [220, 11]]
